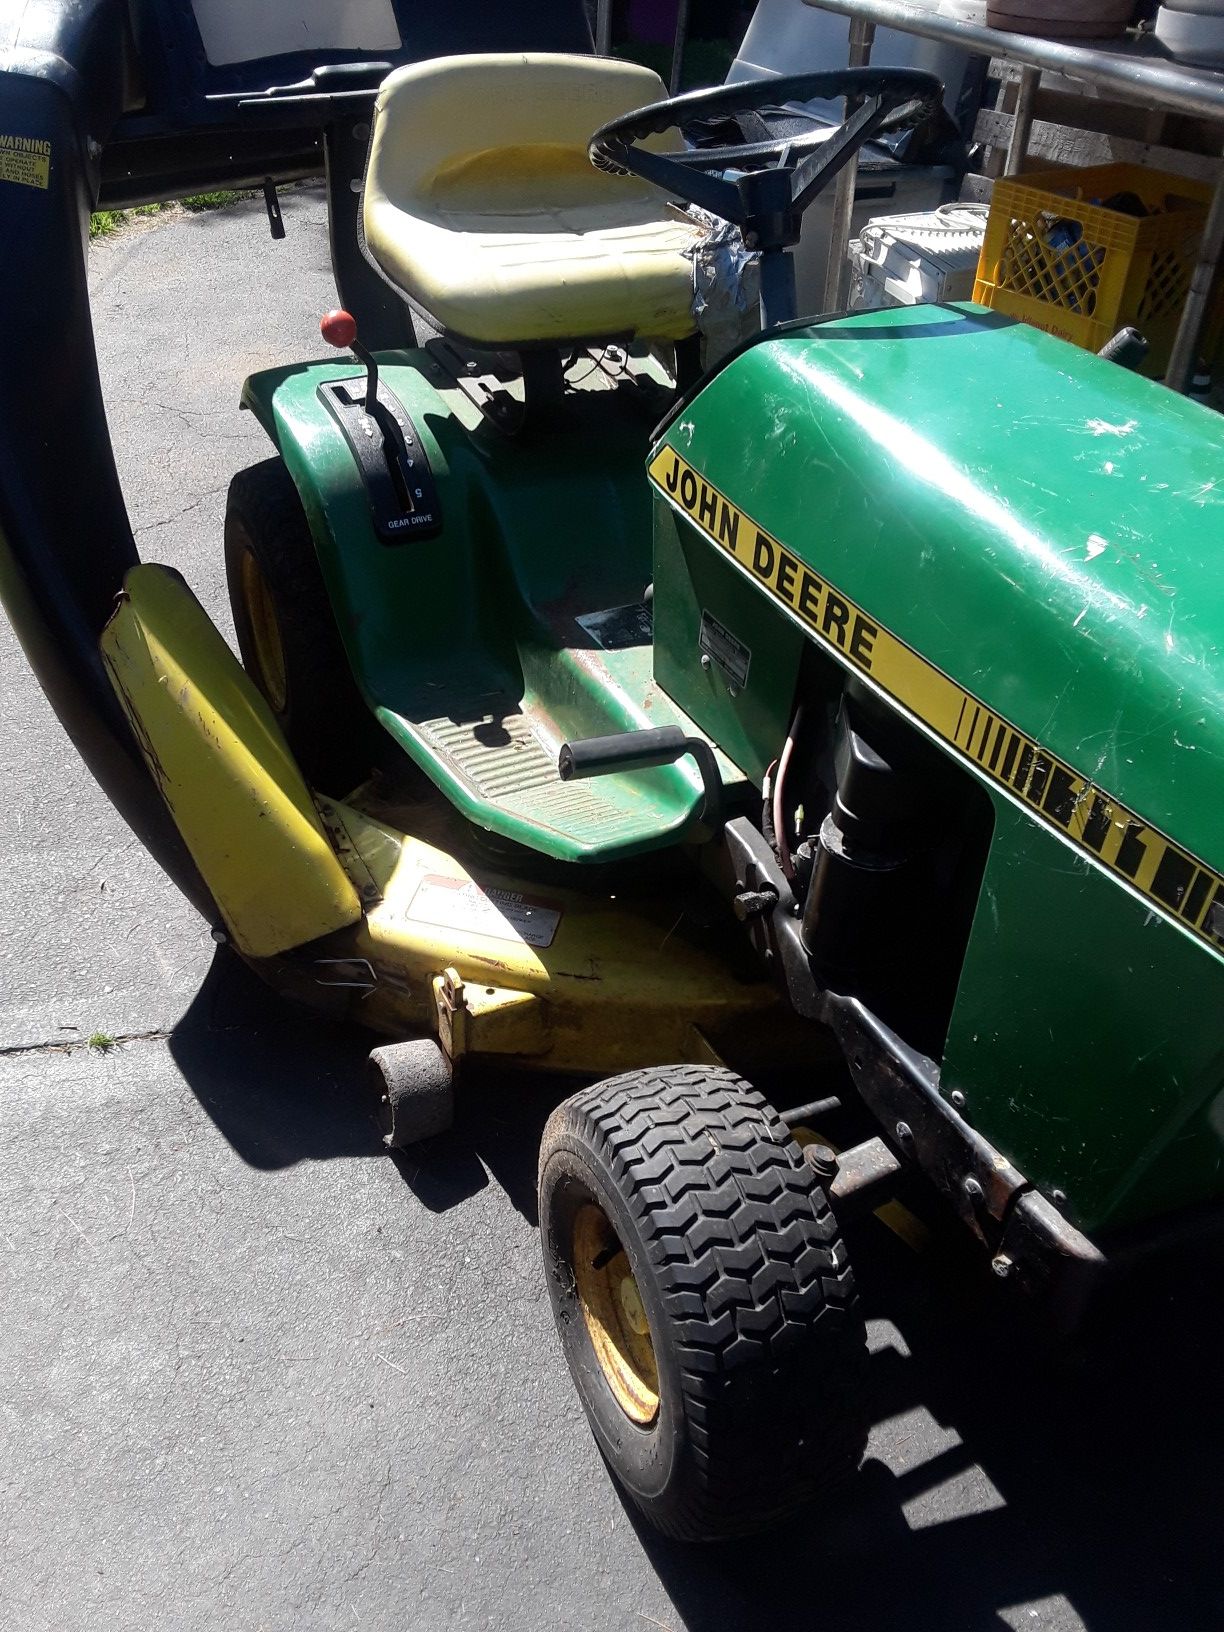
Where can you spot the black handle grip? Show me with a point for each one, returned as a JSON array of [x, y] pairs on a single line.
[[627, 751], [1128, 348], [641, 751]]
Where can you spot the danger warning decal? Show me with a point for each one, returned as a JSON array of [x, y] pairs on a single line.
[[25, 160], [506, 915], [1176, 883]]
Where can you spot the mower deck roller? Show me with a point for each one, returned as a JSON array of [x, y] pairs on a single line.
[[413, 1083]]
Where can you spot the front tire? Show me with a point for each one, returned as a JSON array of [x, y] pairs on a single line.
[[704, 1299]]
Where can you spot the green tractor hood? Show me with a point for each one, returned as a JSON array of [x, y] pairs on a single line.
[[1023, 547], [1044, 528]]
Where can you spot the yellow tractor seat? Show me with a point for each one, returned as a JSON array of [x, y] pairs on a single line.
[[482, 207]]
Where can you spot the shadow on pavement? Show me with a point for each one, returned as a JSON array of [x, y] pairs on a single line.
[[1105, 1478], [282, 1084], [285, 1084]]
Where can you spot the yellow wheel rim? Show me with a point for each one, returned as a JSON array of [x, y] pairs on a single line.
[[614, 1314], [268, 652]]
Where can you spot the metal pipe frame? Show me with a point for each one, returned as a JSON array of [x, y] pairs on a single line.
[[678, 45], [1184, 356], [1129, 66], [862, 37], [1132, 67]]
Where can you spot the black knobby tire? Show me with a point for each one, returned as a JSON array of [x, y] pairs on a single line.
[[334, 737], [745, 1282]]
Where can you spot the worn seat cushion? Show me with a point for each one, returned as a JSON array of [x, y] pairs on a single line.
[[482, 206]]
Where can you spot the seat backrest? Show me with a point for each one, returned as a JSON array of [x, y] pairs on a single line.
[[493, 126]]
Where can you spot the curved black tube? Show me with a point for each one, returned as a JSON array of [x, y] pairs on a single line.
[[65, 540]]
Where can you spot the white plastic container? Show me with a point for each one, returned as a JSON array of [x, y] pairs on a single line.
[[1192, 36], [1062, 19], [909, 260], [268, 28], [789, 37], [914, 190]]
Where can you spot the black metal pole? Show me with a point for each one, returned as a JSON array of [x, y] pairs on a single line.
[[681, 40]]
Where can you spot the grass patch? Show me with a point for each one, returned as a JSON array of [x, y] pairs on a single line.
[[103, 222], [213, 201], [102, 1042]]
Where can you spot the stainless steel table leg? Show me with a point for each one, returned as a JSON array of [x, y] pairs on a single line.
[[1185, 347], [838, 272], [1022, 124]]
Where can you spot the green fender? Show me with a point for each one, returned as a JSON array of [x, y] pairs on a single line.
[[480, 622]]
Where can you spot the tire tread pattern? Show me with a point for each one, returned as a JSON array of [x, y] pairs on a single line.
[[756, 1284]]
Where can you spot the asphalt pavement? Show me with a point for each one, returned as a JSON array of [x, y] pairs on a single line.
[[256, 1374]]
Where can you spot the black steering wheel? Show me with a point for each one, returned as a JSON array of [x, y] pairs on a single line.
[[765, 202]]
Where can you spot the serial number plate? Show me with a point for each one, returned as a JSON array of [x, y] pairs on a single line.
[[730, 653]]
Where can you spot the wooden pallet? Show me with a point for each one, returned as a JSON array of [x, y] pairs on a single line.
[[1077, 128]]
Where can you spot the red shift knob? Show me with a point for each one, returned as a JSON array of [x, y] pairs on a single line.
[[339, 328]]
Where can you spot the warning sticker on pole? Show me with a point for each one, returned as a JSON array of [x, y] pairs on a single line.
[[1171, 879], [506, 915], [25, 160]]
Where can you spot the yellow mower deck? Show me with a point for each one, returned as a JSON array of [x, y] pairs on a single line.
[[402, 933]]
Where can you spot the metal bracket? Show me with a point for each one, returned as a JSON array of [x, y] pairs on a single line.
[[902, 1090], [450, 999], [349, 856], [276, 221], [866, 1176], [356, 973]]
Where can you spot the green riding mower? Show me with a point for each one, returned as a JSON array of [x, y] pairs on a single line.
[[810, 753]]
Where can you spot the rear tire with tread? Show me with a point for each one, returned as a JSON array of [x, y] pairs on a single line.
[[334, 737], [745, 1282]]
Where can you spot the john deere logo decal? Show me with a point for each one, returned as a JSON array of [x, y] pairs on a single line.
[[1176, 883]]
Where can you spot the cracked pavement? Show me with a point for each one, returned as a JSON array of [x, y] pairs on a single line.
[[258, 1375]]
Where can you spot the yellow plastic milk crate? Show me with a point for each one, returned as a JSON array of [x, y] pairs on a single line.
[[1082, 253]]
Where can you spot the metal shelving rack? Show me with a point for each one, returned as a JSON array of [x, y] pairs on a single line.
[[1136, 68]]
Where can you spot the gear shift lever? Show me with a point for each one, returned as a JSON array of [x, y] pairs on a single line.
[[339, 329]]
